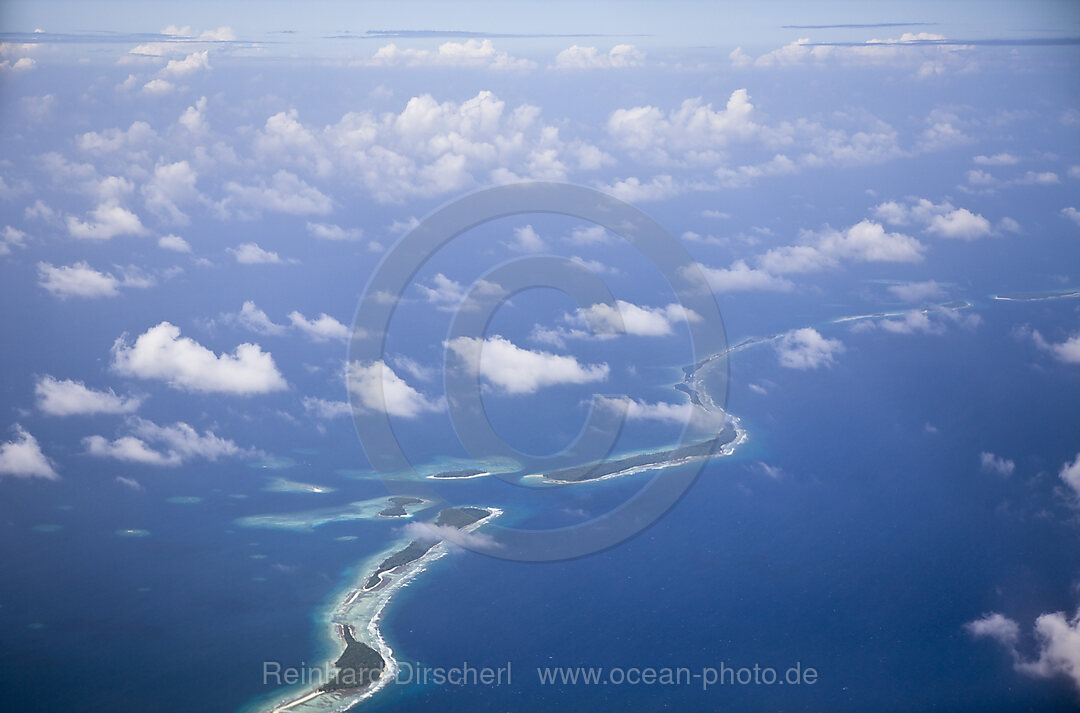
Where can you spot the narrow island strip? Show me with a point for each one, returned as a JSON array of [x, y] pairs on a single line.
[[366, 663]]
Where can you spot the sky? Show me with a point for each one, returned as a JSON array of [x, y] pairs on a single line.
[[195, 196]]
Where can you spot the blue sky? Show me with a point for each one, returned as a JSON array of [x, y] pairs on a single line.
[[194, 196]]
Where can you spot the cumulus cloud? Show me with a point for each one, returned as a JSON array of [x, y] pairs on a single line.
[[1056, 635], [628, 318], [161, 353], [806, 348], [449, 295], [158, 87], [428, 148], [324, 409], [82, 281], [474, 53], [321, 329], [252, 254], [284, 193], [71, 398], [999, 159], [151, 444], [1067, 351], [23, 458], [740, 277], [634, 190], [174, 243], [328, 231], [941, 219], [960, 223], [527, 240], [514, 370], [620, 56], [253, 318], [376, 387], [867, 241], [11, 238], [194, 62], [106, 221], [172, 185], [1071, 213], [1070, 474], [996, 464]]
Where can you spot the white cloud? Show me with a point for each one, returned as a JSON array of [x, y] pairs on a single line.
[[322, 328], [589, 235], [941, 219], [470, 53], [996, 464], [253, 318], [694, 132], [997, 627], [628, 318], [1070, 474], [328, 231], [151, 444], [1057, 636], [638, 410], [527, 240], [194, 62], [285, 193], [11, 237], [515, 370], [867, 241], [917, 291], [81, 280], [252, 254], [960, 223], [194, 117], [23, 458], [430, 531], [174, 243], [806, 349], [794, 259], [377, 388], [632, 190], [172, 185], [157, 87], [1067, 351], [428, 148], [620, 56], [1071, 213], [161, 353], [71, 398], [740, 277], [107, 221], [135, 137], [326, 410], [999, 159], [449, 295]]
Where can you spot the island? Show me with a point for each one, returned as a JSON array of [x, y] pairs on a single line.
[[362, 663], [464, 473], [451, 517], [730, 434], [358, 666], [396, 506]]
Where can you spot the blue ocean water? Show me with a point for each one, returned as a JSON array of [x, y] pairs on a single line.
[[863, 558]]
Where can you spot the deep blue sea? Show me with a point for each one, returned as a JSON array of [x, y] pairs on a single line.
[[863, 558]]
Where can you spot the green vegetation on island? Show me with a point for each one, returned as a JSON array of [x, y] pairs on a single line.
[[600, 469], [465, 473], [396, 506], [358, 666]]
